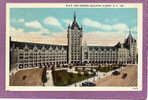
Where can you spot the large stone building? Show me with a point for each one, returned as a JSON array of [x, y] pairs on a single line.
[[74, 43], [25, 55]]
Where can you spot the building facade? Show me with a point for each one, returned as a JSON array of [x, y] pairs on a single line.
[[26, 55], [74, 43]]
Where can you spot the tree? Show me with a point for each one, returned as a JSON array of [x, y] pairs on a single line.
[[79, 73], [83, 68], [53, 68], [71, 75], [44, 77], [86, 73], [70, 67]]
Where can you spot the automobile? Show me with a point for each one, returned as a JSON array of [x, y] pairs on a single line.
[[116, 73], [124, 75], [88, 84]]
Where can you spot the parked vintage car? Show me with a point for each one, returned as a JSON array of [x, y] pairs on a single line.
[[88, 84], [116, 73]]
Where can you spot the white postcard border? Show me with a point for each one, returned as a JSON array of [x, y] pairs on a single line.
[[139, 7]]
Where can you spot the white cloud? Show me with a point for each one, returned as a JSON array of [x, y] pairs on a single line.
[[110, 20], [53, 21], [134, 29], [20, 32], [106, 27], [33, 24], [58, 38], [103, 38], [14, 31], [44, 30], [21, 20], [92, 23], [93, 38], [120, 27], [67, 21], [37, 37]]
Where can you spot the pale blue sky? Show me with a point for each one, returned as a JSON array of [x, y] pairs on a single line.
[[48, 21], [109, 16]]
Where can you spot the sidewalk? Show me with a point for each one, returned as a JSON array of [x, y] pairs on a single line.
[[49, 78], [100, 75], [130, 80]]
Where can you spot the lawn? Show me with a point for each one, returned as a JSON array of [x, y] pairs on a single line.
[[101, 68], [28, 77], [106, 69], [64, 78]]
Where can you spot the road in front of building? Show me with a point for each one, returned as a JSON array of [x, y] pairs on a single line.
[[112, 80], [107, 79], [99, 76], [32, 77]]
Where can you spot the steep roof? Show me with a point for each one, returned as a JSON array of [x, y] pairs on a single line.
[[128, 40], [118, 45], [21, 45], [102, 48], [75, 24]]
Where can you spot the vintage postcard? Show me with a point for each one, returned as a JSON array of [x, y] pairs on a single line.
[[77, 47], [73, 50]]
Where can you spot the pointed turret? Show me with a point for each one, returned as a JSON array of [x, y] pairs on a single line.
[[130, 34], [75, 24], [81, 27], [69, 26], [129, 40], [118, 45], [74, 17]]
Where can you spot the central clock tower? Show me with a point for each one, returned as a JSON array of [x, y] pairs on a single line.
[[74, 43]]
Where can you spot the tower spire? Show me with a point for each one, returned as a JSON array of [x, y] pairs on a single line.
[[74, 16], [75, 24], [130, 33]]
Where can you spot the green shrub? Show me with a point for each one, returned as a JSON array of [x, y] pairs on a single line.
[[63, 78]]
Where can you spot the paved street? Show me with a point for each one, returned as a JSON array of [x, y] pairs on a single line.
[[32, 77], [99, 76], [49, 79], [107, 79], [130, 80]]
